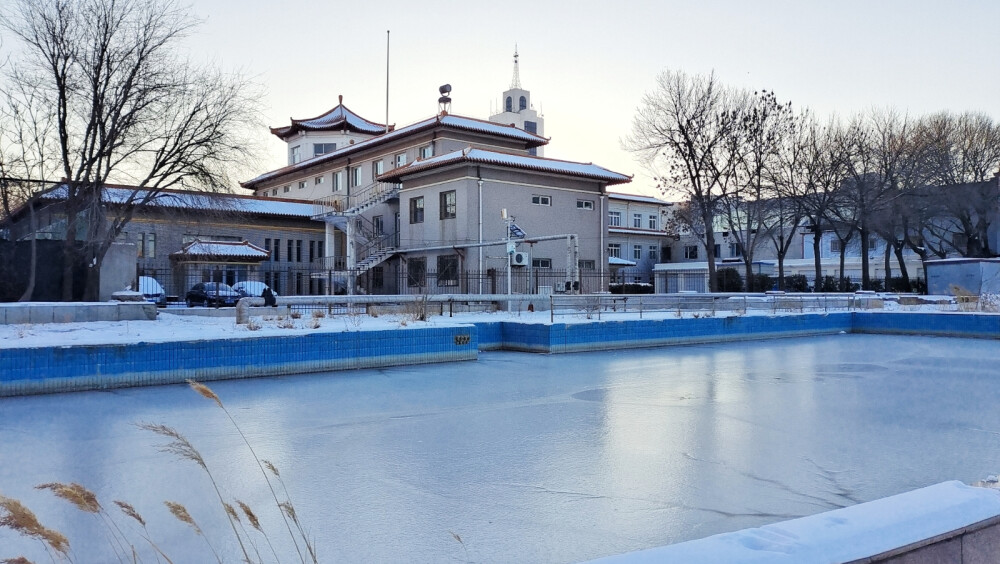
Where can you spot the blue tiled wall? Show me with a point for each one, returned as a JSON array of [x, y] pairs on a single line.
[[980, 326], [54, 369]]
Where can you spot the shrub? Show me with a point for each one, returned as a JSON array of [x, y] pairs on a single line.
[[761, 283], [630, 288], [797, 283], [729, 280]]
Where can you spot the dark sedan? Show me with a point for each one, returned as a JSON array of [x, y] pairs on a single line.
[[212, 294]]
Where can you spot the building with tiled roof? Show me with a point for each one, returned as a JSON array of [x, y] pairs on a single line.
[[418, 208]]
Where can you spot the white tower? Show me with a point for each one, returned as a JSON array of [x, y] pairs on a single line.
[[516, 108]]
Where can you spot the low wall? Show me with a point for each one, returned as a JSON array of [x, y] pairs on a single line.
[[967, 325], [60, 369], [609, 335], [75, 312], [947, 522]]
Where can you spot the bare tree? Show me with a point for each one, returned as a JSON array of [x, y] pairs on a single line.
[[763, 125], [683, 131], [125, 108]]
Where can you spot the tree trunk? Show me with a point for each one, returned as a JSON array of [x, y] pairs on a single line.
[[817, 262], [29, 290], [866, 281], [842, 284], [713, 284], [887, 266], [903, 273]]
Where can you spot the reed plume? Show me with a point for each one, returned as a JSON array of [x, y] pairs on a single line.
[[15, 516], [207, 392], [182, 515]]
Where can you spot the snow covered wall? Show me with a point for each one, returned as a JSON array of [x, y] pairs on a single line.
[[947, 522]]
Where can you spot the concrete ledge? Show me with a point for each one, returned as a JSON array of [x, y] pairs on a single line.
[[37, 313], [947, 522]]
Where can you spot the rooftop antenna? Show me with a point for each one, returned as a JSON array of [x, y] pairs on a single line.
[[444, 102], [516, 81]]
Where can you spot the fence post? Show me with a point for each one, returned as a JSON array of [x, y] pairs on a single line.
[[640, 307], [552, 309]]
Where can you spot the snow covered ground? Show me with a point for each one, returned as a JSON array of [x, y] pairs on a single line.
[[178, 327]]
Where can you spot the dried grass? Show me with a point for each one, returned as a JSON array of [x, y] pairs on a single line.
[[16, 517], [81, 497]]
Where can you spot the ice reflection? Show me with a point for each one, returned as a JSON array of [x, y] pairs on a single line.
[[528, 457]]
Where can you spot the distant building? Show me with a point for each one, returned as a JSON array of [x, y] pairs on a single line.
[[637, 234]]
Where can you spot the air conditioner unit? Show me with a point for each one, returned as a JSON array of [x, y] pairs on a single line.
[[519, 259]]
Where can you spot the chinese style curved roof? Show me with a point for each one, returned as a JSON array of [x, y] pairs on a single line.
[[339, 118]]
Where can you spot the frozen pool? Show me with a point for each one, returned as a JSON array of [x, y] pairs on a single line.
[[527, 458]]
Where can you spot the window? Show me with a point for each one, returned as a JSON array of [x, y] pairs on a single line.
[[691, 251], [541, 263], [338, 181], [449, 205], [447, 270], [636, 252], [541, 200], [668, 254], [735, 250], [587, 265], [427, 151], [417, 209], [637, 220], [276, 255], [614, 219], [319, 249], [585, 204], [615, 250], [652, 222], [377, 277], [274, 192], [302, 185], [298, 250], [400, 160], [416, 271], [353, 176], [522, 104], [286, 189], [717, 250], [378, 225], [654, 253], [312, 251], [267, 247], [290, 255], [508, 105], [318, 180], [323, 148], [296, 154], [378, 167], [872, 243], [150, 245]]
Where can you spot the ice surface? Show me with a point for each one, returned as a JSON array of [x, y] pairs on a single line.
[[528, 458]]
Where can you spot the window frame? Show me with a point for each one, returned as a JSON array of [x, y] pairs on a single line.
[[416, 272], [690, 252], [636, 252], [541, 263], [416, 210], [541, 200], [585, 205], [615, 250], [447, 270], [653, 222], [448, 209], [637, 220]]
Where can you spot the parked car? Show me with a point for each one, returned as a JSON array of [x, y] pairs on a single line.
[[251, 288], [211, 294], [152, 291]]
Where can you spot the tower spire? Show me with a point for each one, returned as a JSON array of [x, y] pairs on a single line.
[[516, 81]]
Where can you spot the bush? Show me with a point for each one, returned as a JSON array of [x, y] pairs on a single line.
[[729, 280], [761, 283], [797, 283], [630, 288]]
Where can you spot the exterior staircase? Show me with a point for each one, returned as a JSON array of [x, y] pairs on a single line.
[[371, 245], [336, 207]]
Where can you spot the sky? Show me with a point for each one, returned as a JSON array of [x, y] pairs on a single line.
[[589, 63]]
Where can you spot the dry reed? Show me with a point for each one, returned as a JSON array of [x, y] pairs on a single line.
[[18, 518]]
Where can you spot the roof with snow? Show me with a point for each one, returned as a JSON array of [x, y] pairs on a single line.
[[637, 198], [460, 123], [221, 250], [482, 156], [339, 118], [203, 201], [616, 261]]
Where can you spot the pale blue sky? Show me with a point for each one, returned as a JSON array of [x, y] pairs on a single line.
[[588, 63]]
